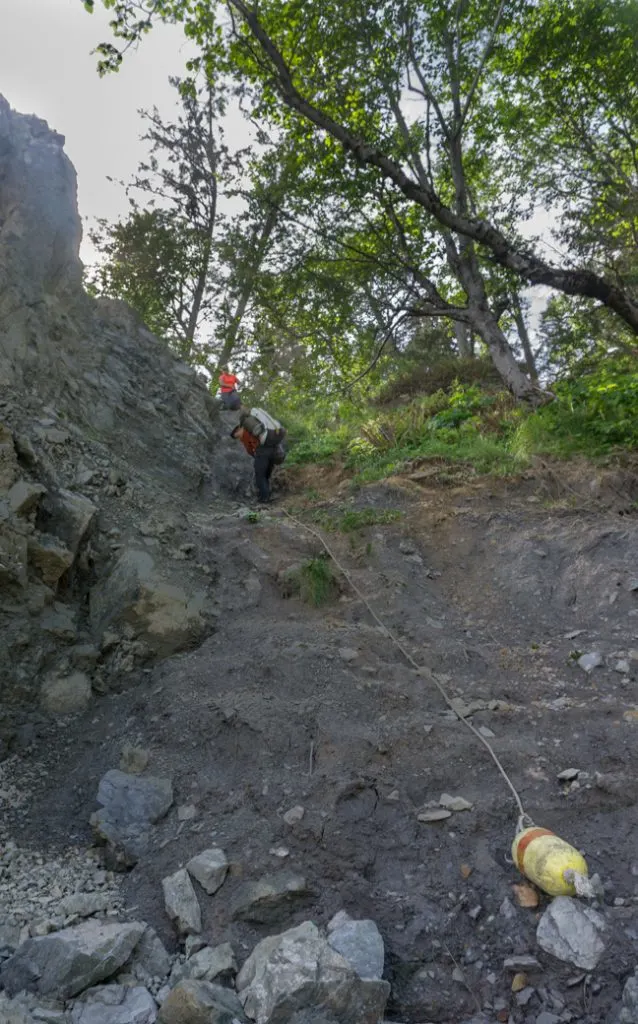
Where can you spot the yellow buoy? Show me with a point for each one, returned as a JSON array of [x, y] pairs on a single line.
[[543, 857]]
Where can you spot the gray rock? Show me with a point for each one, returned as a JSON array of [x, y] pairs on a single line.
[[298, 970], [572, 933], [60, 621], [130, 805], [524, 962], [348, 654], [360, 943], [622, 666], [69, 961], [50, 557], [14, 1012], [84, 904], [133, 760], [434, 814], [454, 803], [150, 959], [547, 1018], [24, 497], [207, 964], [629, 1011], [209, 868], [294, 815], [181, 902], [568, 774], [271, 898], [9, 939], [66, 695], [114, 1004], [588, 662], [200, 1002], [70, 517]]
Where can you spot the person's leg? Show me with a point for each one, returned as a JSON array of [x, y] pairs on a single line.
[[263, 469]]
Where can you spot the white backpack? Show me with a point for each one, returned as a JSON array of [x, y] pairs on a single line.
[[268, 422]]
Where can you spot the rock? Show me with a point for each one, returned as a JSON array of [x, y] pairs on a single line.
[[629, 1011], [60, 621], [271, 898], [24, 497], [360, 943], [568, 774], [434, 814], [186, 812], [164, 615], [523, 962], [13, 556], [8, 460], [133, 760], [299, 970], [623, 667], [588, 662], [193, 944], [84, 904], [9, 939], [130, 805], [14, 1012], [150, 959], [69, 961], [207, 964], [50, 557], [294, 815], [181, 902], [115, 1004], [200, 1002], [407, 547], [547, 1018], [348, 654], [209, 868], [454, 803], [66, 695], [70, 517], [519, 982], [572, 933]]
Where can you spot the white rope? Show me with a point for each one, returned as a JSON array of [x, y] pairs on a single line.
[[425, 673]]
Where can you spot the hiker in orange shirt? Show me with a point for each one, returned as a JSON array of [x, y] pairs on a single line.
[[228, 389]]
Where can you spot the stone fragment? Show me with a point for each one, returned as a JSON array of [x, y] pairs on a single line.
[[207, 964], [360, 943], [209, 868], [348, 654], [434, 814], [294, 815], [59, 621], [13, 556], [24, 497], [133, 760], [181, 902], [200, 1002], [271, 898], [69, 961], [50, 557], [130, 805], [299, 972], [84, 904], [454, 803], [568, 774], [629, 1011], [588, 662], [115, 1004], [623, 667], [150, 959], [66, 695], [572, 933]]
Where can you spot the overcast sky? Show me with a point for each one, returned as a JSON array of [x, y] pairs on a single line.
[[46, 68]]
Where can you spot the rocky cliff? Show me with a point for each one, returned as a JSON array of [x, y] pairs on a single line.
[[105, 439]]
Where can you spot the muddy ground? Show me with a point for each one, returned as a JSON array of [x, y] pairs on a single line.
[[487, 588]]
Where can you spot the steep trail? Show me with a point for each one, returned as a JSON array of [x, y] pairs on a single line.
[[287, 705]]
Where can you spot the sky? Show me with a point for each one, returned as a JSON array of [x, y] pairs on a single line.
[[46, 68]]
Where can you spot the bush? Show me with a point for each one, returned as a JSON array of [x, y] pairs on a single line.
[[423, 379], [317, 581]]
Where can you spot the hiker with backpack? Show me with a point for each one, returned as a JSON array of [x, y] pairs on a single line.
[[228, 390], [262, 436]]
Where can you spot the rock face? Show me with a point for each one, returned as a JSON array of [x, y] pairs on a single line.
[[298, 971], [572, 932], [69, 961], [99, 425], [130, 805]]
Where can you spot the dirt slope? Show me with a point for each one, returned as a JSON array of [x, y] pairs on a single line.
[[238, 722]]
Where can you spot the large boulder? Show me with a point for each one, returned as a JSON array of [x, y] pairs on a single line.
[[130, 805], [199, 1002], [360, 943], [298, 971], [65, 963], [209, 868], [166, 616]]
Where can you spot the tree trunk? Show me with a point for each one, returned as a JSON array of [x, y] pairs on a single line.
[[521, 327], [463, 339], [486, 326]]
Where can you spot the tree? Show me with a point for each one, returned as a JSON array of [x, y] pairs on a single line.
[[332, 65]]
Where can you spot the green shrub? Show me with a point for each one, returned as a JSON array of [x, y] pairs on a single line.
[[317, 581]]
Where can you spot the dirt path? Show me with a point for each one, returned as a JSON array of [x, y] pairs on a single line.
[[287, 705]]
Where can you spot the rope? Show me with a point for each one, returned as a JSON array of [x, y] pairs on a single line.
[[425, 673]]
